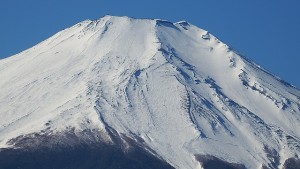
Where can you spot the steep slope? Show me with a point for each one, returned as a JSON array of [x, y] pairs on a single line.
[[171, 89]]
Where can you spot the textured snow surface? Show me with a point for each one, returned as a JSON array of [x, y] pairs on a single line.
[[175, 85]]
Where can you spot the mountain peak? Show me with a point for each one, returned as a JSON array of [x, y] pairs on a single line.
[[171, 90]]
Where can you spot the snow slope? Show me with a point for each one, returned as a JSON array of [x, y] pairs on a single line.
[[176, 86]]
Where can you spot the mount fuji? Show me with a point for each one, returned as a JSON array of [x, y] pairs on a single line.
[[119, 92]]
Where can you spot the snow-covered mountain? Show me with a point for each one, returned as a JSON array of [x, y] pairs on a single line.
[[149, 91]]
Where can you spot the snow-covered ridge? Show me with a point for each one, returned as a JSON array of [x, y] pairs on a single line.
[[176, 86]]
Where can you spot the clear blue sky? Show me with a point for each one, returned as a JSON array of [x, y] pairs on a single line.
[[266, 31]]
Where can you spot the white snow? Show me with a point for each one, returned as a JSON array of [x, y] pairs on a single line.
[[173, 84]]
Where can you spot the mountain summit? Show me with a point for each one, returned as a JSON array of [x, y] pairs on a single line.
[[120, 92]]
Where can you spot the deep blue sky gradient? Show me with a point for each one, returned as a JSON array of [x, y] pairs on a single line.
[[266, 31]]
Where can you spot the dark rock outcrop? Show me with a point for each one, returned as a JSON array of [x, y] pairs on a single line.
[[43, 151], [211, 162], [292, 163]]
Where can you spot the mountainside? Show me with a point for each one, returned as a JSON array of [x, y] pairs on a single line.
[[147, 92]]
